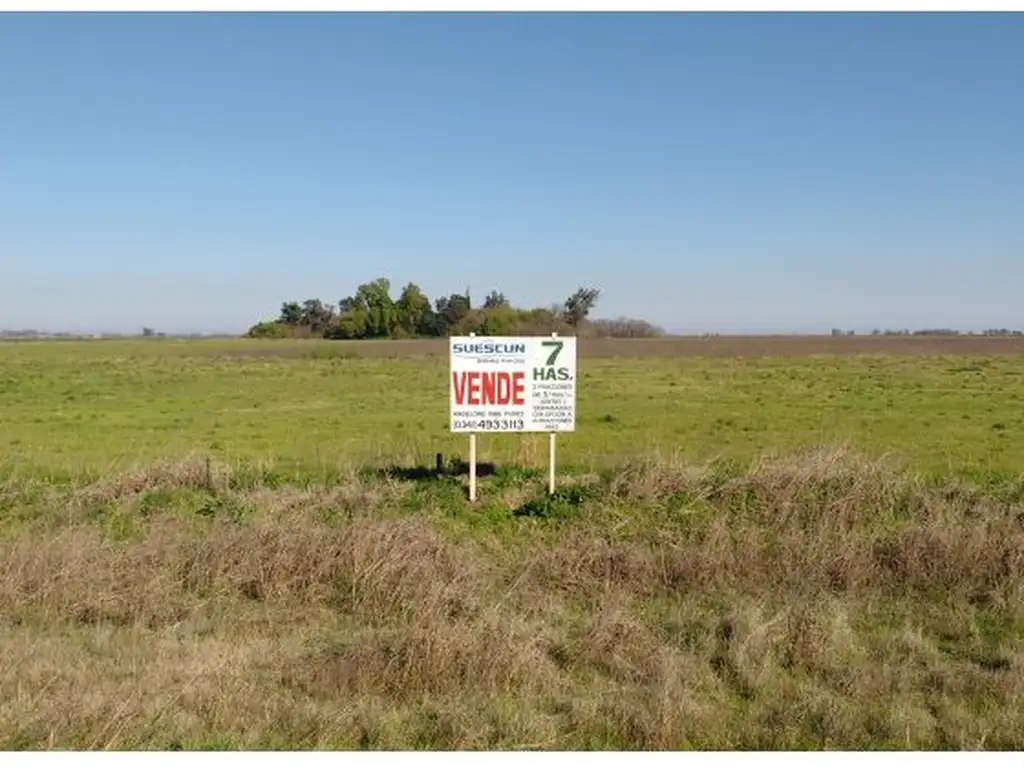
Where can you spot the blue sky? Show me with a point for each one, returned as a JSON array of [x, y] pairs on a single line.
[[729, 172]]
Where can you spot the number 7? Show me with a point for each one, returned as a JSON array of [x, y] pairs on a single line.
[[557, 349]]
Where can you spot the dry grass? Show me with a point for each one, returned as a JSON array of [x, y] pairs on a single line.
[[815, 602]]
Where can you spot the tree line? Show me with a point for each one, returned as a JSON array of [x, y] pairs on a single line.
[[1000, 332], [371, 313]]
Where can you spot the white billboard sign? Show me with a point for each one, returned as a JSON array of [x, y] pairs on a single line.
[[512, 384]]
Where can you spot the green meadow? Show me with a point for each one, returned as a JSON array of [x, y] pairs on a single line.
[[99, 406]]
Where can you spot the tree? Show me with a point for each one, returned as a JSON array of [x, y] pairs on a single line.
[[452, 311], [412, 307], [625, 328], [381, 314], [353, 314], [496, 300], [499, 321], [432, 323], [350, 325], [316, 315], [579, 305], [291, 313], [147, 332], [271, 330], [352, 304], [371, 313]]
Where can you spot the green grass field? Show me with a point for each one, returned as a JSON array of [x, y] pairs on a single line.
[[198, 549], [104, 405]]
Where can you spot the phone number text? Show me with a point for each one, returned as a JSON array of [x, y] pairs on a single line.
[[486, 425]]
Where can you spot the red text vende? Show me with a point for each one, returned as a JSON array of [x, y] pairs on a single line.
[[489, 388]]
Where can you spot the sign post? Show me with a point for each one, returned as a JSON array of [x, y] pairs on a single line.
[[472, 458], [472, 466], [551, 452], [512, 384], [551, 463]]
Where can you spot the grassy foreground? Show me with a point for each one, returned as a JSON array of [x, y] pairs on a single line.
[[200, 546], [823, 602]]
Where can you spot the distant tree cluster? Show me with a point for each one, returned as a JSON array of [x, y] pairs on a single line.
[[932, 332], [372, 313], [947, 332]]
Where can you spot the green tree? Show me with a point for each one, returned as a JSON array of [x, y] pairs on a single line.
[[291, 313], [432, 323], [499, 321], [579, 305], [381, 313], [349, 325], [271, 330], [452, 311], [372, 313], [496, 300], [353, 314], [316, 315], [412, 307]]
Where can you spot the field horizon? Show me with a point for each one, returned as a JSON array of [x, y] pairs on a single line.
[[669, 344]]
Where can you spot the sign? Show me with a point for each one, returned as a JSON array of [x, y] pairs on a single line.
[[512, 383]]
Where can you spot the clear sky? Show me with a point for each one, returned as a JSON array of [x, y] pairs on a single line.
[[730, 172]]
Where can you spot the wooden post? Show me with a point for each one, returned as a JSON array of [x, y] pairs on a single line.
[[551, 463], [472, 466], [551, 454], [472, 461]]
